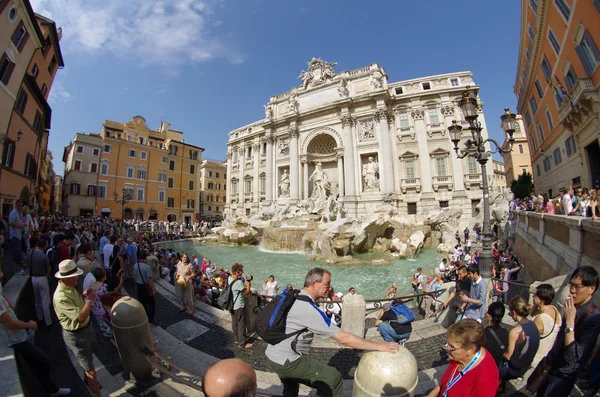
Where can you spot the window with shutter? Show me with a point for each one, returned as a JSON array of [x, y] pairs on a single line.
[[22, 102], [6, 68], [409, 169], [588, 53], [441, 166], [20, 36]]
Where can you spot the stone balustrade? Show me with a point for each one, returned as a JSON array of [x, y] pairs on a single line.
[[551, 245]]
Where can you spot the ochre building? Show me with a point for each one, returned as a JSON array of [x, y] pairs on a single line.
[[557, 87], [138, 173], [30, 56]]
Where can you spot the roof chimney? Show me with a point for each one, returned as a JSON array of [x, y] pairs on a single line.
[[164, 127], [59, 33]]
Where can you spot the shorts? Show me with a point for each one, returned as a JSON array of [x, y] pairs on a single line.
[[83, 344]]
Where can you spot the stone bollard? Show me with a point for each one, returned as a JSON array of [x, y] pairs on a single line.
[[354, 310], [132, 333], [386, 374]]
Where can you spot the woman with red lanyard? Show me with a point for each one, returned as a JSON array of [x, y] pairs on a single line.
[[472, 371]]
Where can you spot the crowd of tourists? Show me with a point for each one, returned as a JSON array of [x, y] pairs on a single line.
[[569, 201]]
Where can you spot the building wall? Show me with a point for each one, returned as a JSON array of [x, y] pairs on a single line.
[[8, 92], [132, 145], [213, 185], [30, 114], [85, 150], [342, 122], [518, 160], [58, 194], [560, 123]]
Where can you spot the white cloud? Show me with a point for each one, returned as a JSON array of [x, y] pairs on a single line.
[[59, 93], [145, 32]]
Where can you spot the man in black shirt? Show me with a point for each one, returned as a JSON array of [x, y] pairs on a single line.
[[457, 307], [389, 327]]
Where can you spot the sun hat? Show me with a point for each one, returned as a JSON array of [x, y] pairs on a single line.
[[68, 268], [387, 306]]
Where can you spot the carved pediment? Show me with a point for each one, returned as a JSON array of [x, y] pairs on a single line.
[[409, 155], [439, 152]]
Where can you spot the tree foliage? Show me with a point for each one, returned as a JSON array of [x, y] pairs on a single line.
[[522, 186]]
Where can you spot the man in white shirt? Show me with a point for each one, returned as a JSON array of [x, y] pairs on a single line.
[[444, 267], [567, 201], [108, 250]]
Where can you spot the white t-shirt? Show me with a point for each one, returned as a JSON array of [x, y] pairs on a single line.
[[270, 288], [420, 278], [442, 267], [567, 203], [107, 252]]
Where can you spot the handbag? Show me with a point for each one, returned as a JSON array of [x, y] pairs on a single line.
[[181, 281], [538, 376]]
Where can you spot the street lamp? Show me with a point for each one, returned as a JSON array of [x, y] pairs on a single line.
[[124, 200], [475, 147]]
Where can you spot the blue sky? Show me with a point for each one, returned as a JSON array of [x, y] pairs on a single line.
[[207, 67]]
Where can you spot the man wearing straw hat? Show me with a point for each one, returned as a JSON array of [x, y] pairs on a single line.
[[74, 317]]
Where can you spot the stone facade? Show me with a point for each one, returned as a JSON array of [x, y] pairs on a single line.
[[354, 136]]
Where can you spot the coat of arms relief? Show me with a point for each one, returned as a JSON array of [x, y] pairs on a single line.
[[318, 72]]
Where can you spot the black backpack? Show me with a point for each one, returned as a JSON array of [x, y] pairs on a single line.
[[226, 300], [271, 321]]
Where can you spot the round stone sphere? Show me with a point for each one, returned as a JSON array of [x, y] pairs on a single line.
[[128, 313], [386, 374]]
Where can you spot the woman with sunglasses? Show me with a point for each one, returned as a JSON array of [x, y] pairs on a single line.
[[472, 371]]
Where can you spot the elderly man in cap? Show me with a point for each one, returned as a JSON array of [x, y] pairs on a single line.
[[74, 316], [389, 327]]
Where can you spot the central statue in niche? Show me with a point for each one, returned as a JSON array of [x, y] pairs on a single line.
[[320, 182]]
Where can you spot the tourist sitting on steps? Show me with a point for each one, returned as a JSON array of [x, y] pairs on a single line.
[[523, 342], [391, 327]]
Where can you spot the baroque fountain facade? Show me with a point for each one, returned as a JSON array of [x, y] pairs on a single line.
[[347, 162]]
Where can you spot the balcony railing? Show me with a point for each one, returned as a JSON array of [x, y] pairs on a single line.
[[472, 179], [442, 181], [411, 183], [581, 86]]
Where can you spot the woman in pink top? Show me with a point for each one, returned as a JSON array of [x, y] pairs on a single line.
[[548, 206]]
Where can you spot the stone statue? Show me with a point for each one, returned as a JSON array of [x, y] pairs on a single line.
[[371, 175], [306, 77], [283, 147], [284, 184], [342, 87], [367, 131], [293, 102], [320, 182], [377, 80], [268, 112], [318, 72]]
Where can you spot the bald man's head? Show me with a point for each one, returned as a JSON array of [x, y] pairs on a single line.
[[229, 378]]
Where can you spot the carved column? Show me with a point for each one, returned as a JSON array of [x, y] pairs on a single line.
[[386, 170], [394, 149], [340, 166], [229, 170], [255, 187], [420, 131], [269, 169], [457, 174], [294, 184], [349, 180], [304, 161], [242, 164]]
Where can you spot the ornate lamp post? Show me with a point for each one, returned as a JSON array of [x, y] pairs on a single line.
[[476, 148], [124, 200]]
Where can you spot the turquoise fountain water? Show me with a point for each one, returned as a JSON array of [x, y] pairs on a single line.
[[370, 280]]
